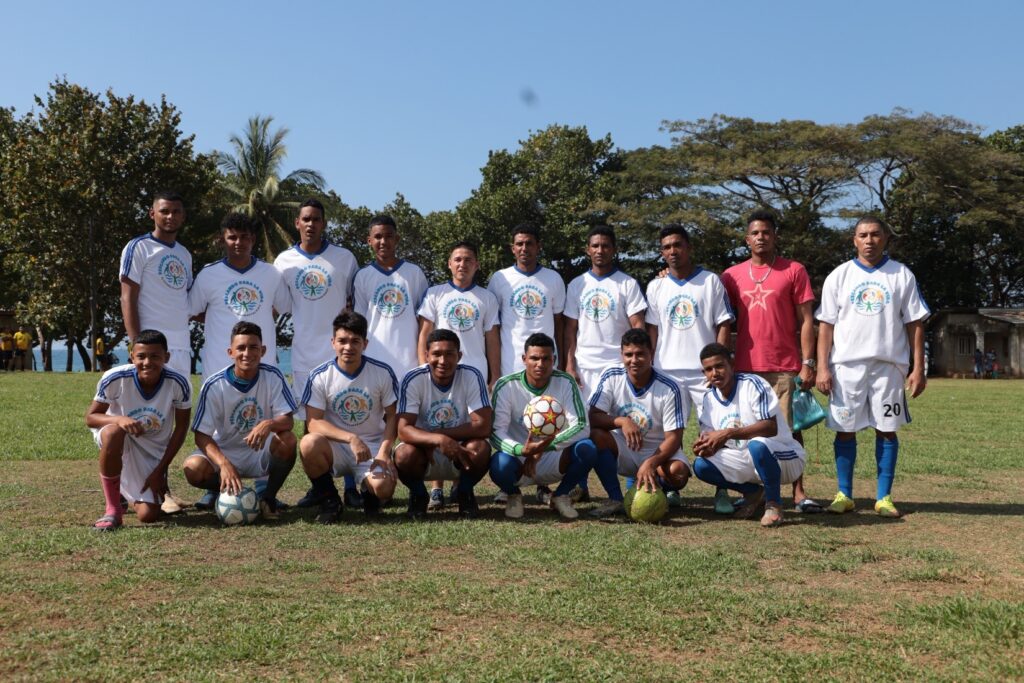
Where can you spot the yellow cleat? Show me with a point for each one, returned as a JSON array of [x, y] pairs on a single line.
[[885, 508], [841, 503]]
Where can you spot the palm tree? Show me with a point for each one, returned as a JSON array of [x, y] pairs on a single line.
[[253, 180]]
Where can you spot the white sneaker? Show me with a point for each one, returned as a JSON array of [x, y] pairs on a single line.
[[514, 506], [500, 497], [609, 508], [170, 506], [564, 506]]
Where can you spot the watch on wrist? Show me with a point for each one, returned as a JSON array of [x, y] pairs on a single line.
[[810, 362]]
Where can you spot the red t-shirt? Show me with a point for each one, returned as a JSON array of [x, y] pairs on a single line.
[[767, 338]]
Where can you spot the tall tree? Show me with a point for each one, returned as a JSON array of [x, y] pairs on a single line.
[[255, 184]]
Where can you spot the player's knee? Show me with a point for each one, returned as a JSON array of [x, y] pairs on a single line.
[[147, 513], [505, 470], [197, 470], [408, 458], [481, 454], [846, 436], [287, 441], [703, 469], [885, 436], [311, 445], [112, 438], [676, 474], [603, 439]]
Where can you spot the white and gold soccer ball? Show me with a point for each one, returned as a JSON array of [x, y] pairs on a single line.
[[544, 416]]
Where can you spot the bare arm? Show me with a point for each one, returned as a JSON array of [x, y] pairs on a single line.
[[805, 317], [130, 307], [569, 329], [724, 334], [636, 321], [824, 375], [917, 380], [559, 331], [709, 443], [492, 346], [426, 327], [652, 332], [478, 427]]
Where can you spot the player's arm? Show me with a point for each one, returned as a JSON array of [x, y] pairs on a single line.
[[559, 342], [502, 418], [97, 418], [383, 456], [317, 423], [723, 334], [157, 479], [492, 349], [599, 419], [229, 479], [709, 443], [263, 429], [570, 327], [577, 426], [426, 327], [652, 332], [824, 375], [805, 318], [917, 380], [636, 321], [130, 307]]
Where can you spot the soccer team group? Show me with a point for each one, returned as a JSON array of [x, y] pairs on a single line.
[[398, 381]]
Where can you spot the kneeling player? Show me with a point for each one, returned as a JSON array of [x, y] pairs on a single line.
[[637, 420], [139, 418], [350, 412], [243, 423], [444, 421], [744, 442], [565, 457]]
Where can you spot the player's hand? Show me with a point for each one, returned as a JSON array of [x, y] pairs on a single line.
[[257, 437], [157, 483], [916, 383], [530, 465], [806, 378], [662, 273], [824, 381], [230, 482], [647, 476], [359, 449], [129, 425], [634, 437], [450, 447], [534, 446]]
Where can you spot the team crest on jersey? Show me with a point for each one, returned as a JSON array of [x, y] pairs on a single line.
[[391, 298], [683, 311], [461, 314], [173, 272], [842, 414], [246, 414], [597, 304], [313, 281], [352, 406], [443, 414], [731, 421], [528, 301], [639, 415], [243, 297], [150, 418], [869, 298]]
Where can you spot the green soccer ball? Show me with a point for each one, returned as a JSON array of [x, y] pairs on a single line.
[[648, 507], [627, 500]]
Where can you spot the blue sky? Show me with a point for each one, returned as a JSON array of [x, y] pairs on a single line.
[[410, 96]]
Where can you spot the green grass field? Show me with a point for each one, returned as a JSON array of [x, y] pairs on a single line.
[[936, 595]]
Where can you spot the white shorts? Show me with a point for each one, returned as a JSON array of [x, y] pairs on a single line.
[[547, 471], [181, 361], [298, 386], [692, 386], [590, 379], [345, 460], [629, 461], [442, 468], [738, 467], [136, 466], [250, 464], [869, 394]]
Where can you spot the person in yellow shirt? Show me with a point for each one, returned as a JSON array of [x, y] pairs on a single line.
[[6, 349], [22, 348]]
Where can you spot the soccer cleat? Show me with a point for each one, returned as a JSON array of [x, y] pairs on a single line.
[[208, 500], [580, 495], [841, 503], [500, 497], [330, 511], [453, 497], [772, 515], [674, 499], [886, 508], [723, 504], [353, 498], [468, 508], [371, 504], [752, 504], [417, 507], [514, 506], [309, 500], [563, 504], [609, 508], [436, 499], [269, 509], [543, 495]]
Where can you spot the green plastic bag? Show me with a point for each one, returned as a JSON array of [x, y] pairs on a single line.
[[807, 412]]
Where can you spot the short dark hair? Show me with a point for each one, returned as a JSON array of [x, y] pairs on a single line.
[[442, 335], [350, 321], [168, 196], [151, 337], [465, 244], [715, 349], [383, 219], [539, 339], [674, 229], [239, 222], [601, 230], [763, 215], [636, 337], [526, 228], [315, 203], [248, 328], [872, 219]]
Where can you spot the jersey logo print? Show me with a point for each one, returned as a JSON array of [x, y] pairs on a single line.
[[461, 314], [443, 414], [151, 419], [639, 415], [528, 301], [243, 297], [597, 304], [391, 299], [683, 311], [870, 298], [246, 414], [756, 297], [352, 406], [172, 271], [312, 282]]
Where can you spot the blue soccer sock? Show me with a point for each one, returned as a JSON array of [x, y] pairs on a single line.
[[886, 452], [467, 480], [582, 456], [505, 472], [350, 482], [706, 471], [630, 482], [846, 458], [768, 469], [607, 472]]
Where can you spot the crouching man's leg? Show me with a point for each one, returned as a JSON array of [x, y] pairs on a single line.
[[506, 471], [412, 464], [282, 460], [318, 462], [575, 464]]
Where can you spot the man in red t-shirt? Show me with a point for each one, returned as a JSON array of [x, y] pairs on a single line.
[[774, 308]]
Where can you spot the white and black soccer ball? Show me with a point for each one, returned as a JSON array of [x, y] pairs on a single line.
[[544, 416], [241, 509]]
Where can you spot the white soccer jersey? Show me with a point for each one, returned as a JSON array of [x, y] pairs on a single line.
[[870, 308], [528, 303], [164, 274], [438, 407], [513, 392], [656, 408], [469, 313], [228, 296], [752, 400], [228, 409], [687, 313], [119, 388], [355, 402], [389, 299], [602, 305], [320, 286]]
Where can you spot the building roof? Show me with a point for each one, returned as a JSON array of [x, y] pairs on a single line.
[[1014, 316]]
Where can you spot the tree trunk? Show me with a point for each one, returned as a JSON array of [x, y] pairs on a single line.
[[84, 353], [45, 350], [70, 357]]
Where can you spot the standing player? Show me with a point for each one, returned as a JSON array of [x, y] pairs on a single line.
[[444, 420], [156, 275], [773, 300], [139, 418], [564, 458], [745, 444], [637, 421], [388, 292], [872, 319], [243, 423], [350, 409]]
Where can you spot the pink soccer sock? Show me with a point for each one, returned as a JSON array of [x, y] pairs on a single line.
[[112, 494]]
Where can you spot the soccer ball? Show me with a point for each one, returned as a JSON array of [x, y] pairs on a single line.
[[627, 500], [241, 509], [648, 507], [543, 417]]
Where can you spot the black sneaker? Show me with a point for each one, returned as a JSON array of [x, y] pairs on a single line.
[[468, 508], [371, 504], [417, 508], [330, 511], [309, 500], [353, 498]]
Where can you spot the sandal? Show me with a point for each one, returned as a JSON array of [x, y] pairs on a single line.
[[808, 506], [107, 523]]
